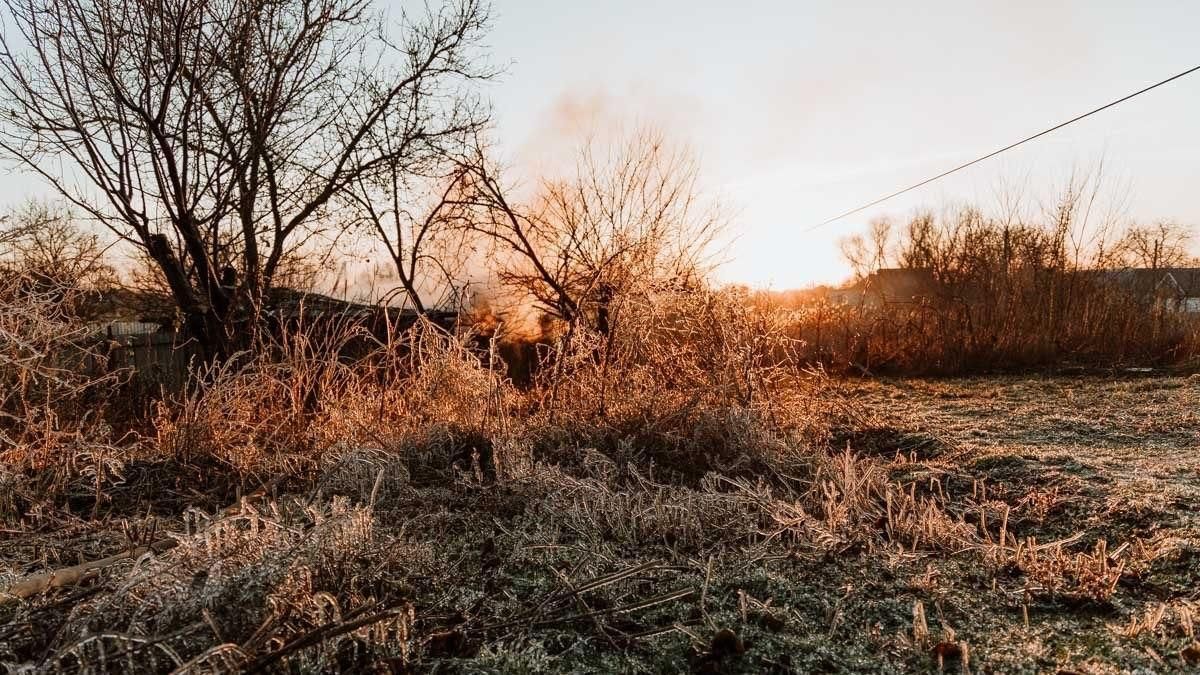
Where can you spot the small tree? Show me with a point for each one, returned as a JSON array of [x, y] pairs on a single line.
[[1163, 244], [629, 220], [871, 253], [43, 240]]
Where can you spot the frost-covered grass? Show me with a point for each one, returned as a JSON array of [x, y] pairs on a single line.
[[679, 499], [1026, 524]]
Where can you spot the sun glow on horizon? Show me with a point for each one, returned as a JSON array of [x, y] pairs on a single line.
[[796, 121]]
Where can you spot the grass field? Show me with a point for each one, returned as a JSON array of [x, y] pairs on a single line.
[[1112, 460], [989, 525]]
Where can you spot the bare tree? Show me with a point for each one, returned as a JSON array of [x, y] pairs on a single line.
[[43, 244], [416, 217], [629, 220], [45, 240], [1163, 244], [216, 135], [868, 254]]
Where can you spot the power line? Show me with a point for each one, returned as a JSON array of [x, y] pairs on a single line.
[[1006, 148]]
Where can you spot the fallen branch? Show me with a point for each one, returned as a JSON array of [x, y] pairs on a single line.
[[76, 575], [320, 634], [594, 584], [679, 594], [583, 607]]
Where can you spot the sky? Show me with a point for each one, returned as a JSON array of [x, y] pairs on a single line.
[[803, 110]]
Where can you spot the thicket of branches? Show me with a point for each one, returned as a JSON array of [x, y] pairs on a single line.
[[1012, 292], [628, 222]]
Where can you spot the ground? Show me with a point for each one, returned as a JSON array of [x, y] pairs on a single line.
[[1103, 459], [1017, 524]]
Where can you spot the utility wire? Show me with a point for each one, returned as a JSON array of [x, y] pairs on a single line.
[[1006, 148]]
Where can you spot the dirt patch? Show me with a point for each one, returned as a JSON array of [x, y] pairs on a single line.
[[887, 441]]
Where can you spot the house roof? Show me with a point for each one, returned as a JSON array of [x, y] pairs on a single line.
[[289, 304], [901, 284], [1180, 281], [1186, 279]]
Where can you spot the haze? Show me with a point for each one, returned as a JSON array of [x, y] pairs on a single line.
[[803, 110]]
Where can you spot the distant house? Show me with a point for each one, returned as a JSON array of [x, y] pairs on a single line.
[[158, 352], [287, 308], [889, 286], [121, 329], [1175, 289]]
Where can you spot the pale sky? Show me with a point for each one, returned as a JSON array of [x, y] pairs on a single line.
[[802, 110]]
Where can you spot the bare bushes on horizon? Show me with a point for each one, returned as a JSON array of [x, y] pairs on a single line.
[[1007, 294]]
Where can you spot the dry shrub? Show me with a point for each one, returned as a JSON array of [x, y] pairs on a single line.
[[846, 503], [260, 578], [643, 512], [369, 474], [1004, 296], [53, 378], [282, 410], [252, 415], [1102, 328], [1077, 576], [693, 380], [45, 360], [852, 501]]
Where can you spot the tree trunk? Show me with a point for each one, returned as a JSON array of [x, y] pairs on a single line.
[[201, 319]]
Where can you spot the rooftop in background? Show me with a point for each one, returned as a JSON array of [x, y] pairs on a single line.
[[887, 286], [1180, 281], [290, 304]]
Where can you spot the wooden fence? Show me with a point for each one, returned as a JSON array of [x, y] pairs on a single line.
[[153, 359]]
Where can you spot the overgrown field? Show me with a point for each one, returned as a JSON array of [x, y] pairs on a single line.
[[990, 525]]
